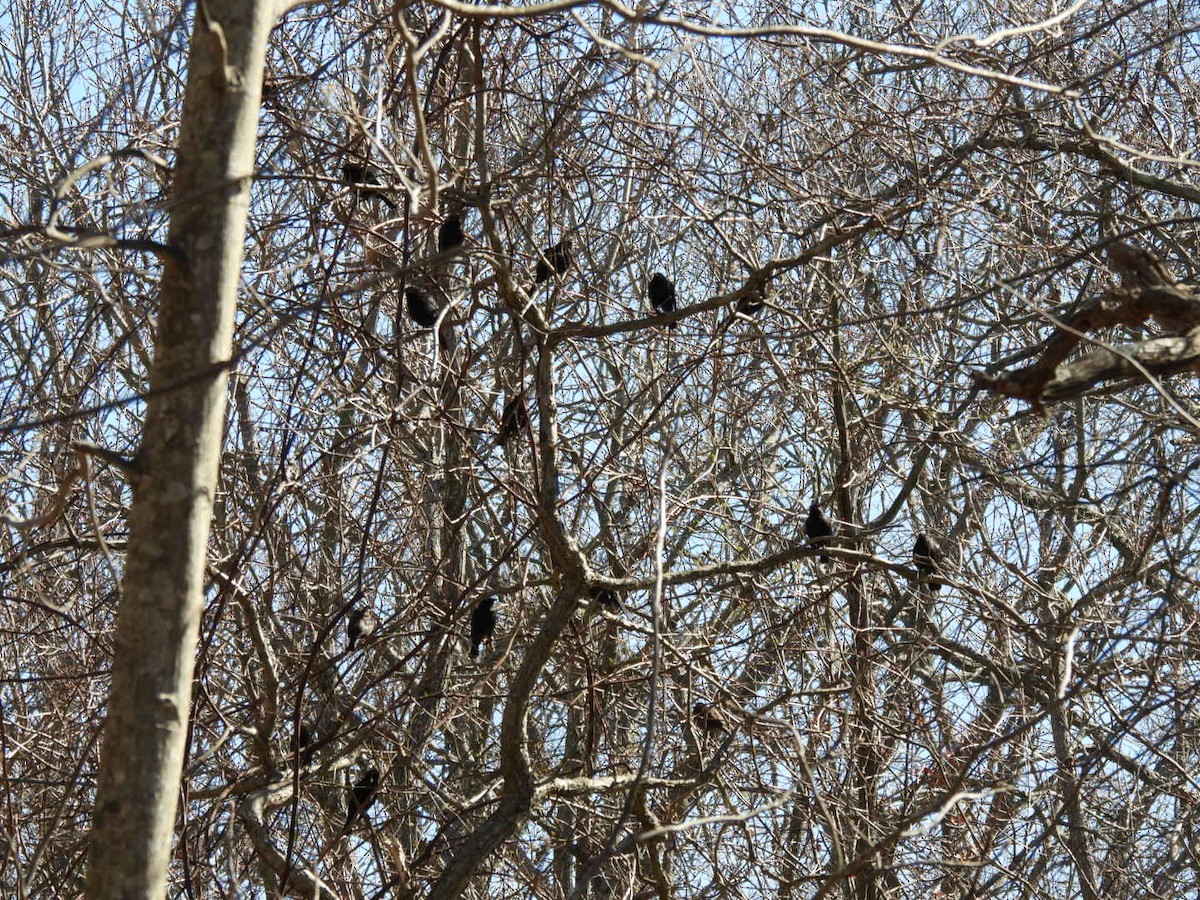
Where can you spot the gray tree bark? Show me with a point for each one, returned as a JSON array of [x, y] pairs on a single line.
[[162, 595]]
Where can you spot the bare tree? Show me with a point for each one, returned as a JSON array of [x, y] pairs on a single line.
[[175, 469], [868, 214]]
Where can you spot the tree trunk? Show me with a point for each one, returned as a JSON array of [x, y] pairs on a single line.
[[162, 594]]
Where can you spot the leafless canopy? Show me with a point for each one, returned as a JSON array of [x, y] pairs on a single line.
[[919, 197]]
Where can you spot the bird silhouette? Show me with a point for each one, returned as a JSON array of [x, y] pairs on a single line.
[[817, 529], [358, 176], [361, 796], [662, 295], [483, 624], [554, 259], [514, 419], [421, 309], [927, 558], [360, 624], [450, 234], [307, 737], [425, 313], [607, 598], [708, 718], [752, 303]]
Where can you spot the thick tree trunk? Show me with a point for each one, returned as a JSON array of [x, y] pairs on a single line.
[[163, 589]]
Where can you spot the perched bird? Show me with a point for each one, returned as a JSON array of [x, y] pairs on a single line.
[[817, 529], [357, 176], [450, 234], [662, 295], [708, 718], [307, 737], [425, 313], [927, 559], [421, 309], [752, 303], [362, 795], [606, 598], [554, 259], [514, 419], [483, 624], [359, 624]]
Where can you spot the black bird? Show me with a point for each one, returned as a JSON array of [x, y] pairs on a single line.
[[554, 259], [927, 559], [662, 295], [425, 314], [307, 736], [708, 719], [752, 303], [362, 795], [817, 529], [514, 419], [360, 624], [606, 598], [421, 309], [483, 624], [357, 175], [450, 234]]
